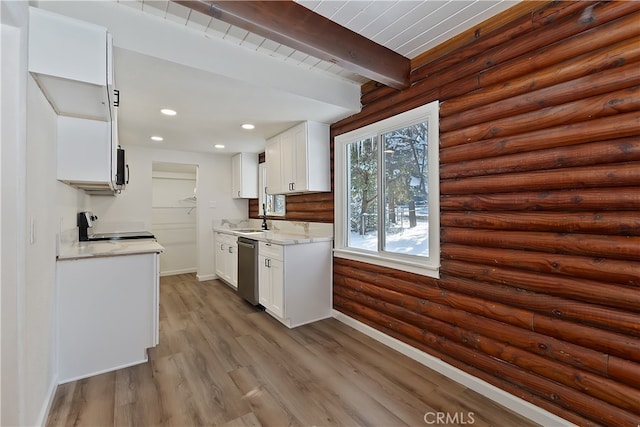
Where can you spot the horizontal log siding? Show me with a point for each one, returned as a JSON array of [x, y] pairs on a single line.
[[539, 291]]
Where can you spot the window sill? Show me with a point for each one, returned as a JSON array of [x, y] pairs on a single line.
[[397, 264]]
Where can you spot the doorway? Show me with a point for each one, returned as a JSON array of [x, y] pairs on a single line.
[[174, 216]]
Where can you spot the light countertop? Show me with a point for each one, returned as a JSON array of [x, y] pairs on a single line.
[[276, 237], [109, 248]]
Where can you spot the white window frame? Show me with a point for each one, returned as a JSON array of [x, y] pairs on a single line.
[[427, 266]]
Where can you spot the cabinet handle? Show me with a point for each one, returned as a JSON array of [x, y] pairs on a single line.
[[230, 250], [127, 180], [238, 194], [116, 100], [221, 247]]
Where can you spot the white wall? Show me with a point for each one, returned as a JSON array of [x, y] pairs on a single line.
[[39, 315], [12, 207], [214, 186], [30, 222]]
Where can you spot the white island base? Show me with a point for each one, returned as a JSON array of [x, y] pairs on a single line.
[[107, 313]]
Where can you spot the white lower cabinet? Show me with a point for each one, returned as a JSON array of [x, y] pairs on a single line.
[[227, 258], [107, 313], [271, 278], [295, 281]]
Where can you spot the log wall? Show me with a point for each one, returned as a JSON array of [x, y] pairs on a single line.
[[539, 291]]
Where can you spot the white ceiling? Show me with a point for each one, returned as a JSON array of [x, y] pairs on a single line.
[[408, 27], [218, 76]]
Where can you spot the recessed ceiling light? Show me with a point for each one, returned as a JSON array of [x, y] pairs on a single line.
[[248, 126], [219, 146], [168, 112], [157, 138]]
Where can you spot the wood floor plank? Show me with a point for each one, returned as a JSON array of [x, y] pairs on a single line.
[[214, 392], [223, 362], [176, 400], [62, 405], [137, 397], [92, 402], [263, 403], [248, 420]]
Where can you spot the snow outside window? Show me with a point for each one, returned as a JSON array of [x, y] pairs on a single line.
[[387, 192]]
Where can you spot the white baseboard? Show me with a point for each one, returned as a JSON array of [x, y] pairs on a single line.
[[204, 277], [174, 272], [46, 408], [104, 371], [516, 404]]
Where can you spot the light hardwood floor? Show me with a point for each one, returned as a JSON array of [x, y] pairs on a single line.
[[223, 362]]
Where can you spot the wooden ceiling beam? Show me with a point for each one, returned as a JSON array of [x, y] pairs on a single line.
[[293, 25]]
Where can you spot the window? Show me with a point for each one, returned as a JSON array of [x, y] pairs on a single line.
[[273, 204], [387, 192]]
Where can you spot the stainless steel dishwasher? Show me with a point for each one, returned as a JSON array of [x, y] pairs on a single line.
[[248, 269]]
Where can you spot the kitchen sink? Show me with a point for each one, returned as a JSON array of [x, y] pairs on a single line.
[[249, 230]]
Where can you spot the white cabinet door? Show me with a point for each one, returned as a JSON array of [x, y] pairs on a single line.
[[300, 158], [273, 156], [72, 61], [264, 282], [288, 159], [226, 270], [220, 255], [244, 176], [271, 285], [226, 250], [277, 287], [236, 176], [85, 152], [271, 278], [232, 263]]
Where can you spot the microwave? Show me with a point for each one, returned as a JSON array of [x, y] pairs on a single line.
[[122, 171]]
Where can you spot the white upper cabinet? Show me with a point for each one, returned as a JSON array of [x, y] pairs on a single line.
[[72, 61], [298, 160], [244, 176], [87, 154], [274, 170]]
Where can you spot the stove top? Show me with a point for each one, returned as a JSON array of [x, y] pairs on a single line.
[[127, 235]]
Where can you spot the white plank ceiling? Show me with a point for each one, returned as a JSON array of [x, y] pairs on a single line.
[[408, 27]]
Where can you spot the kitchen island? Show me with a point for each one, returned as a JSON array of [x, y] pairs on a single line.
[[107, 306]]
